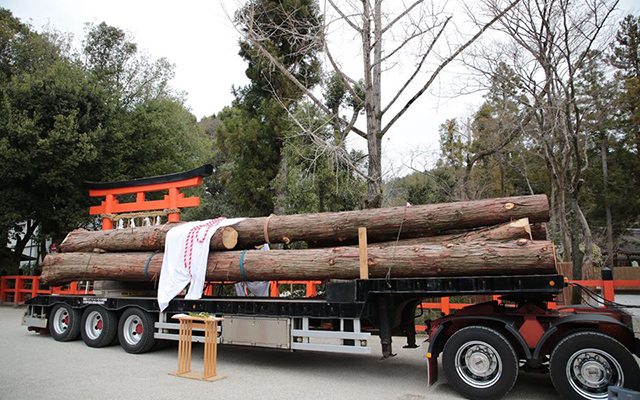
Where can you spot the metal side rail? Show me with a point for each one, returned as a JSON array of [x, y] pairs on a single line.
[[278, 332]]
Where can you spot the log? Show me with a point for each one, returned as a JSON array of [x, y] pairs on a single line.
[[329, 229], [145, 238], [518, 229], [383, 224], [463, 259], [539, 231]]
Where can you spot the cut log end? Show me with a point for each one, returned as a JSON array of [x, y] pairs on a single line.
[[229, 238]]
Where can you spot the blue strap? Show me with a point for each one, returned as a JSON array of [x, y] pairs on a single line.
[[146, 267], [242, 265]]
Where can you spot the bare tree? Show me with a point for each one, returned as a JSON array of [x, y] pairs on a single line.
[[423, 29], [547, 44]]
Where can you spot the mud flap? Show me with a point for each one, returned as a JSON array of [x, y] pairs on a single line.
[[432, 369]]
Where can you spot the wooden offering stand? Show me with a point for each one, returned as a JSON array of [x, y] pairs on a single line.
[[210, 325]]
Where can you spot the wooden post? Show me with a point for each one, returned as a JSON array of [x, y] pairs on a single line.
[[608, 288], [274, 289], [35, 285], [445, 305], [364, 265], [311, 289], [173, 203], [3, 288], [17, 295], [107, 224]]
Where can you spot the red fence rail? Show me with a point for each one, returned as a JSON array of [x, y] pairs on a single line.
[[606, 286], [17, 289]]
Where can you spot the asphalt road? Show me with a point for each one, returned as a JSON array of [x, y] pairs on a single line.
[[35, 366]]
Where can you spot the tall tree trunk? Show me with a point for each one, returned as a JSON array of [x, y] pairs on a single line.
[[373, 100], [604, 149], [281, 191], [576, 253]]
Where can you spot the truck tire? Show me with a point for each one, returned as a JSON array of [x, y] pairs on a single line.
[[64, 323], [135, 331], [480, 363], [584, 364], [99, 326]]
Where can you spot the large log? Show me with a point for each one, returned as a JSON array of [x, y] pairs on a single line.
[[463, 259], [152, 238], [145, 238], [384, 224], [518, 229]]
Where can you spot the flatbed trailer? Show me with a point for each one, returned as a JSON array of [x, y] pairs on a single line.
[[483, 346]]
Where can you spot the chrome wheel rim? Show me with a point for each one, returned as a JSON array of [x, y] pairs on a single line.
[[93, 325], [61, 320], [478, 364], [591, 371], [133, 330]]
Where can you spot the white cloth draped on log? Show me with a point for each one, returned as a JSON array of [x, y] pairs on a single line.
[[186, 250]]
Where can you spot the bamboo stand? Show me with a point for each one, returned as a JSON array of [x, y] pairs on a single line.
[[210, 326]]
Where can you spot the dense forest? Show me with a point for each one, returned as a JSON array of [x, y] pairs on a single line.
[[560, 116]]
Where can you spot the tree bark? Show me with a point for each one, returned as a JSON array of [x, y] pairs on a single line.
[[464, 259], [604, 149], [386, 224], [518, 229], [145, 238], [539, 231]]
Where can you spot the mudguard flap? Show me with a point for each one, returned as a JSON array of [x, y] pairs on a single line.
[[432, 370]]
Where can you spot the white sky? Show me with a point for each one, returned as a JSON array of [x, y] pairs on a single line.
[[198, 38]]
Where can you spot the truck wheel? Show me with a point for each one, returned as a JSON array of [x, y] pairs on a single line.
[[98, 326], [64, 323], [584, 364], [480, 363], [135, 331]]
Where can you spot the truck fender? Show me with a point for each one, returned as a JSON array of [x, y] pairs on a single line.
[[572, 319], [436, 342]]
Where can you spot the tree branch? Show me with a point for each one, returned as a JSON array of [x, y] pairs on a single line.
[[343, 16], [400, 16], [444, 64]]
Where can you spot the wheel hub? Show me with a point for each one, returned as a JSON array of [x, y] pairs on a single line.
[[591, 371], [61, 321], [133, 330], [478, 364], [93, 326]]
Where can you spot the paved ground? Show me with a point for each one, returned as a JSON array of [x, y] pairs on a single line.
[[37, 367]]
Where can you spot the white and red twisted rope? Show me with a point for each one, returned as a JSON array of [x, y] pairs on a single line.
[[193, 235]]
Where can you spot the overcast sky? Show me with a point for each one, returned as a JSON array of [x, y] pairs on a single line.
[[198, 38]]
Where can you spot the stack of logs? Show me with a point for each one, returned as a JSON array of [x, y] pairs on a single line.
[[502, 236]]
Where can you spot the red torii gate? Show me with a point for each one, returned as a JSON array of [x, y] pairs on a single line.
[[171, 204]]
